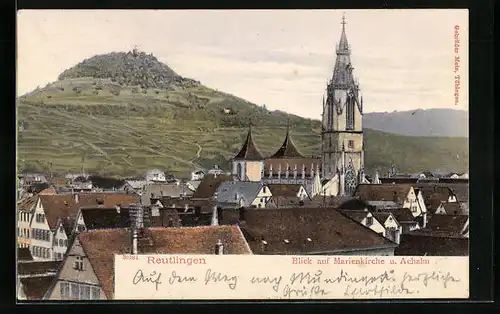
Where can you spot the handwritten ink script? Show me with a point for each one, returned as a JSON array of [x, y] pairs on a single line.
[[286, 277]]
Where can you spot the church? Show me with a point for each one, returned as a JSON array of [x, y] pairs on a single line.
[[339, 168]]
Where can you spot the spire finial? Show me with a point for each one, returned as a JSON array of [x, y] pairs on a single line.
[[343, 22]]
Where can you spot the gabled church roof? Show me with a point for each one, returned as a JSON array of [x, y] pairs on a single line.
[[249, 151], [287, 149]]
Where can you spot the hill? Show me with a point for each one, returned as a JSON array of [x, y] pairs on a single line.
[[430, 122], [123, 113]]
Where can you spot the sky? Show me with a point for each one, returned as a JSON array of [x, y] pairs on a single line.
[[403, 59]]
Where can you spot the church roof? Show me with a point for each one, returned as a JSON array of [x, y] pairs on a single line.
[[287, 149], [249, 151]]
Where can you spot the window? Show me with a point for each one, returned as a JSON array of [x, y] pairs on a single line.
[[75, 291], [78, 264], [96, 293], [27, 233], [81, 228], [239, 171], [64, 289], [350, 144], [85, 292], [61, 242], [66, 243], [369, 221]]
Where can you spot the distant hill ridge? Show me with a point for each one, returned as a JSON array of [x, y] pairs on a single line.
[[123, 113], [429, 122]]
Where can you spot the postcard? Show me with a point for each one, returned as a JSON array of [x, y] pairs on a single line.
[[242, 154]]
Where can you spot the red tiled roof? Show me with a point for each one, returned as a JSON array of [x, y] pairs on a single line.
[[35, 287], [64, 205], [427, 245], [27, 204], [328, 229], [209, 184], [285, 190], [24, 254], [101, 245], [382, 192], [452, 224], [37, 267]]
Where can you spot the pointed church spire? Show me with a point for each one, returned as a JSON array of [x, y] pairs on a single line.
[[287, 149], [249, 151], [343, 44]]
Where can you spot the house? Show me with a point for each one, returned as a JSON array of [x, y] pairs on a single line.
[[290, 190], [104, 218], [155, 175], [27, 179], [197, 175], [88, 271], [25, 209], [287, 202], [404, 218], [304, 231], [34, 279], [62, 237], [47, 225], [193, 185], [424, 244], [186, 204], [454, 208], [133, 185], [60, 182], [164, 190], [367, 219], [242, 194], [209, 185], [402, 194], [393, 229], [81, 183]]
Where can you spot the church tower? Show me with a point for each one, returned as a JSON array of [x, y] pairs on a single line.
[[248, 163], [342, 128]]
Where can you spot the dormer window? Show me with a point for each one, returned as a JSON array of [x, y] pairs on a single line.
[[309, 240], [286, 241], [369, 221]]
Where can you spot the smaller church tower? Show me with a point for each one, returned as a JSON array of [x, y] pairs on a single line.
[[249, 162]]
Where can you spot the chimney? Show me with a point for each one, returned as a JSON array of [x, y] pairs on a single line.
[[263, 244], [186, 207], [395, 197], [117, 206], [270, 171], [242, 214], [135, 240], [215, 218], [219, 248], [77, 198], [219, 214]]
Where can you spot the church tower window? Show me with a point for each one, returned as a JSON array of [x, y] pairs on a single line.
[[239, 171], [350, 113], [350, 180]]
